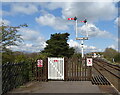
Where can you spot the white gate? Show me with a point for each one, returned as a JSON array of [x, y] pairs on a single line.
[[55, 68]]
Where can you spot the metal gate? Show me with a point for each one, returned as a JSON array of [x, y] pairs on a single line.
[[55, 68]]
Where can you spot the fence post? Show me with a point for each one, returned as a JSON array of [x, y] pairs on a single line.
[[46, 69], [65, 69], [90, 73]]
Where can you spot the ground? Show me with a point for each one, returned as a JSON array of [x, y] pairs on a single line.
[[59, 87]]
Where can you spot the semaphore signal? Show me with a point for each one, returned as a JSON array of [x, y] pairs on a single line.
[[80, 38], [75, 18], [85, 21]]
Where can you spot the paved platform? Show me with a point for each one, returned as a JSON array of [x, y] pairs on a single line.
[[58, 87]]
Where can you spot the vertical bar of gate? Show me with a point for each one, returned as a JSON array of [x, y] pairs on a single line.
[[65, 69], [79, 68], [72, 69], [46, 69], [90, 73], [75, 67], [41, 73], [69, 69], [82, 70], [70, 62], [85, 70]]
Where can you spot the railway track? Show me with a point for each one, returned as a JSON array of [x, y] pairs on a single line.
[[110, 72], [116, 67], [98, 78], [112, 69]]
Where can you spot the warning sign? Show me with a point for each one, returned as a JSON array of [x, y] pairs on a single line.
[[89, 61], [39, 63], [55, 60]]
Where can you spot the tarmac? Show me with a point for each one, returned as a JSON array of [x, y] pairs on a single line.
[[58, 87]]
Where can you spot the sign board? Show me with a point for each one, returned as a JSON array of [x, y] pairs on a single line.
[[39, 63], [89, 61]]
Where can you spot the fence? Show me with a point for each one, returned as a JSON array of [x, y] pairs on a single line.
[[74, 69], [41, 73], [14, 75]]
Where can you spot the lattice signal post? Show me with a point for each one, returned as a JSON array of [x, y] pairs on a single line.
[[80, 38]]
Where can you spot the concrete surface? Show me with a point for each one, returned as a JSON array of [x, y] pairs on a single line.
[[58, 87]]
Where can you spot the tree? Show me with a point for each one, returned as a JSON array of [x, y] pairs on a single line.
[[57, 46], [117, 57], [9, 35], [7, 56], [110, 53]]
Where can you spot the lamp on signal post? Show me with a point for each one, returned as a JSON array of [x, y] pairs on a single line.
[[80, 38]]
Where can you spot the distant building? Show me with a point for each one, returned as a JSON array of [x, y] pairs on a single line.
[[94, 55]]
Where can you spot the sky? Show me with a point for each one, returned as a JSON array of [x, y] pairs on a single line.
[[46, 18]]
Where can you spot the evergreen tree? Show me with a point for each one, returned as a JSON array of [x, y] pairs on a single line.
[[57, 46]]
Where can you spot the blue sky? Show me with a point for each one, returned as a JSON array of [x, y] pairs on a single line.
[[45, 18]]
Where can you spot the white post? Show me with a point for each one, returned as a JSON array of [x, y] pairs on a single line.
[[86, 30], [76, 28], [82, 48]]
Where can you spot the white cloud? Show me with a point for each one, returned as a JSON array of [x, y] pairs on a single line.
[[117, 21], [93, 31], [73, 43], [114, 46], [78, 47], [93, 11], [28, 47], [26, 9], [18, 8], [33, 41], [50, 20], [4, 21], [30, 35]]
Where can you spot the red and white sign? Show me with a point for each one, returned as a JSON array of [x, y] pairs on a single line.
[[55, 60], [39, 63], [89, 61], [70, 18]]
